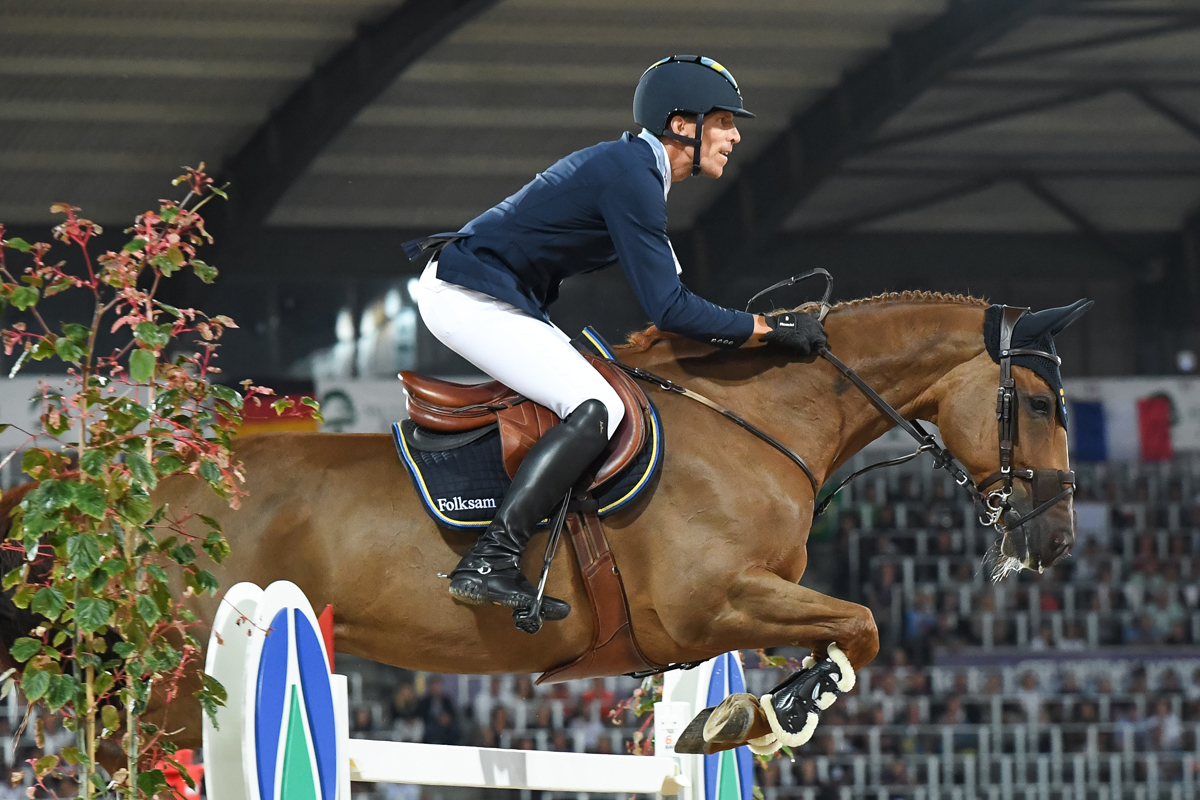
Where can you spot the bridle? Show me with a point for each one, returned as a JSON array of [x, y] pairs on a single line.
[[1048, 486]]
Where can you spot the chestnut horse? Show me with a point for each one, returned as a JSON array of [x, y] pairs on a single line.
[[711, 558]]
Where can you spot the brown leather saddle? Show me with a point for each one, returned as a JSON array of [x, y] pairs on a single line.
[[454, 407]]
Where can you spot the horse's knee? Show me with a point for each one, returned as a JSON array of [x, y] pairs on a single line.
[[863, 637]]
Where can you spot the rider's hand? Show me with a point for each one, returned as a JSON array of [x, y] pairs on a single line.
[[799, 333]]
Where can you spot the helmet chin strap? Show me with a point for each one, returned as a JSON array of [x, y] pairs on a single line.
[[694, 142]]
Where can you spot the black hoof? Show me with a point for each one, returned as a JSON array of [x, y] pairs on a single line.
[[691, 741]]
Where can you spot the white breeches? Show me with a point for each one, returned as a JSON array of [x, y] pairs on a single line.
[[527, 355]]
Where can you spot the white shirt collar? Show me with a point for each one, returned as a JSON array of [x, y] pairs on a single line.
[[660, 158]]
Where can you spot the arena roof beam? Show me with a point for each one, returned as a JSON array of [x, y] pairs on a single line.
[[1081, 222], [1176, 25], [955, 126], [318, 110], [960, 189], [749, 214], [1156, 103]]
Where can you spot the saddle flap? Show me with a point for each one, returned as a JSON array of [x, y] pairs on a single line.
[[522, 425]]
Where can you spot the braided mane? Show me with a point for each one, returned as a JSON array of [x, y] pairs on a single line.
[[643, 340]]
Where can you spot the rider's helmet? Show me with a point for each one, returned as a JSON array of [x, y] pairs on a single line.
[[692, 85]]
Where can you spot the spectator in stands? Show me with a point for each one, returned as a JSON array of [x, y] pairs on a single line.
[[1075, 737], [407, 725], [600, 698], [54, 736], [1030, 697], [1166, 611], [920, 619], [880, 596], [1139, 630], [1166, 728], [1072, 638], [361, 720], [1041, 641], [524, 688], [438, 713]]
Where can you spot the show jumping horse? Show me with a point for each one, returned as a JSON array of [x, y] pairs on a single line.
[[711, 558]]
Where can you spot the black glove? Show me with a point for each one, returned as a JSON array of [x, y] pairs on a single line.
[[799, 333]]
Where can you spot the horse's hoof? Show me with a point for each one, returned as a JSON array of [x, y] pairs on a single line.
[[732, 719], [691, 741]]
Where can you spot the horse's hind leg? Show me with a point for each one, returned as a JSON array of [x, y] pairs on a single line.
[[765, 610]]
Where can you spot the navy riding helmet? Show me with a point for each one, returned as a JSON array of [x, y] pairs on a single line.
[[691, 85]]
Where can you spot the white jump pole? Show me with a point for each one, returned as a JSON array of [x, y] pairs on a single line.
[[284, 733]]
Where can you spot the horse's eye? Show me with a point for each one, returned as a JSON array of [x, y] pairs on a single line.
[[1039, 405]]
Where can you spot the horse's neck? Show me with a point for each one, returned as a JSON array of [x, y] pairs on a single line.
[[901, 349]]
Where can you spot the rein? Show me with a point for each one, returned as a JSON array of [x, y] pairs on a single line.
[[995, 502]]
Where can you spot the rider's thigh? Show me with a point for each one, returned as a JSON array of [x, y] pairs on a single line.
[[526, 354]]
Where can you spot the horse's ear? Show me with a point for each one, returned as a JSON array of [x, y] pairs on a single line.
[[1052, 321]]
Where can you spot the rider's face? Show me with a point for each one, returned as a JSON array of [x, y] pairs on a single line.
[[720, 135]]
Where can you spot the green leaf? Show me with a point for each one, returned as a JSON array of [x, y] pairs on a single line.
[[211, 522], [210, 472], [124, 649], [14, 577], [71, 755], [216, 547], [227, 395], [142, 470], [24, 596], [62, 691], [92, 612], [35, 684], [93, 462], [49, 602], [24, 297], [151, 335], [184, 554], [110, 717], [141, 365], [25, 648], [45, 764], [34, 460], [136, 504], [164, 265], [18, 244], [157, 572], [83, 554], [68, 350], [204, 582], [134, 246], [151, 782], [76, 331], [170, 309], [204, 272], [315, 406], [168, 464], [89, 499], [147, 609], [282, 404]]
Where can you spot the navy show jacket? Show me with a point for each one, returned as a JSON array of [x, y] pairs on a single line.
[[596, 206]]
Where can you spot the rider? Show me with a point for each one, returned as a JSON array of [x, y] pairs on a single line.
[[486, 291]]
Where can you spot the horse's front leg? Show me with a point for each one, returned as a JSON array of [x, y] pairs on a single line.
[[768, 611]]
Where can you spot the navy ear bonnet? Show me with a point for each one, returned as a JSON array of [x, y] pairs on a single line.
[[1036, 330]]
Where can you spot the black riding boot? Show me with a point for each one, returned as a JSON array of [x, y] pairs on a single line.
[[490, 572]]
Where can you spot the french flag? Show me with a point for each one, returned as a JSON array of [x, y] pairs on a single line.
[[1132, 419]]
